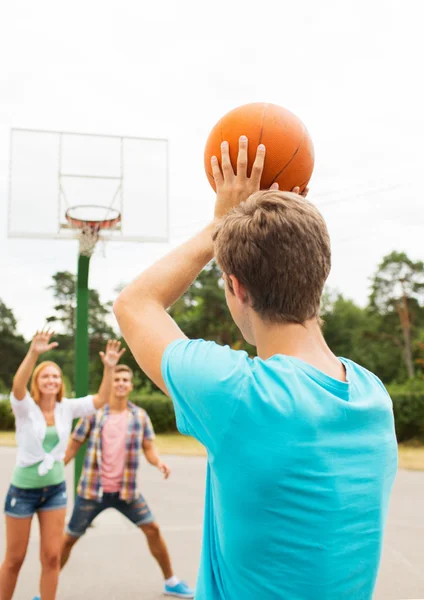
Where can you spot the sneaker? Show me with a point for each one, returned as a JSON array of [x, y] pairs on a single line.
[[181, 590]]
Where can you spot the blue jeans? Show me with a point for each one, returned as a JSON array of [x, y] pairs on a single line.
[[22, 503], [85, 511]]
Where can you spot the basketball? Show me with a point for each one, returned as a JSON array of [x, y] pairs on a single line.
[[289, 159]]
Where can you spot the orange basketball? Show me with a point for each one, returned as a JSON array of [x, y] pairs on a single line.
[[289, 158]]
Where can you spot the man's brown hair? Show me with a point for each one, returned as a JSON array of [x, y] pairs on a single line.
[[277, 245], [124, 368]]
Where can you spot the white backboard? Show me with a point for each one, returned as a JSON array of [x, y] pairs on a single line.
[[51, 171]]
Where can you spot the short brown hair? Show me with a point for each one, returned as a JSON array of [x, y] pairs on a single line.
[[277, 245], [124, 368], [35, 390]]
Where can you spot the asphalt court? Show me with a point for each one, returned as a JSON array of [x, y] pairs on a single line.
[[112, 560]]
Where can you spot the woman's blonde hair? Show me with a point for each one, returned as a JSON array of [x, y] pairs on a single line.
[[35, 390]]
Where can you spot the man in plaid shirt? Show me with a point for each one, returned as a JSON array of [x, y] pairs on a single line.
[[116, 435]]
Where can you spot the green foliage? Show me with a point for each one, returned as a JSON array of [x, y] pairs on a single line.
[[160, 410], [354, 332], [386, 337], [64, 293], [99, 330], [408, 409], [397, 296], [203, 313], [158, 406], [12, 346], [7, 419], [397, 275], [8, 322], [344, 324], [418, 353], [411, 386]]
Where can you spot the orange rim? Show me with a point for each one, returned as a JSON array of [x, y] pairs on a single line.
[[95, 224]]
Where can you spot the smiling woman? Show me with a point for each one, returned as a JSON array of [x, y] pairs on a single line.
[[47, 378], [43, 419]]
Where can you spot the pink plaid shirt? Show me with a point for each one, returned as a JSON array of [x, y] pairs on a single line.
[[139, 428]]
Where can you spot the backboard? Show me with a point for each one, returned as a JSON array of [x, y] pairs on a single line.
[[52, 171]]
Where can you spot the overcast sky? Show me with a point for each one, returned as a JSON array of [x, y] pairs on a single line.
[[352, 70]]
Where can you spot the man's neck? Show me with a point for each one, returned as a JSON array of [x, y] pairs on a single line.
[[305, 342], [118, 404]]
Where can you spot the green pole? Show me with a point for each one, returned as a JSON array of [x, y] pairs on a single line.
[[81, 349]]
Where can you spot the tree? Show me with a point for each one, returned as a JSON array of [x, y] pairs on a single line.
[[418, 348], [99, 328], [12, 346], [344, 323], [397, 293], [8, 323], [356, 333], [64, 292], [202, 311]]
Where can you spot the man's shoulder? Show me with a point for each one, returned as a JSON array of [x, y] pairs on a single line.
[[362, 372], [197, 344], [196, 357], [137, 411], [93, 420]]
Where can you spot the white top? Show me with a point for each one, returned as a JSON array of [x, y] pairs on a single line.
[[31, 429]]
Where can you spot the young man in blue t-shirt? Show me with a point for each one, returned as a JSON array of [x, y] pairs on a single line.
[[301, 445]]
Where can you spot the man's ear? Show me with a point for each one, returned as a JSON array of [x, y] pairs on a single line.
[[238, 289]]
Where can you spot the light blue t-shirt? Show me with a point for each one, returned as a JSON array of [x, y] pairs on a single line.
[[300, 470]]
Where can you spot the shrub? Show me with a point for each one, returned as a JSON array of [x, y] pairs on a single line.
[[408, 409], [158, 406], [160, 410], [7, 419]]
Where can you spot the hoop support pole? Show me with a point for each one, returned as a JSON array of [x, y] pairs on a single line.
[[81, 350]]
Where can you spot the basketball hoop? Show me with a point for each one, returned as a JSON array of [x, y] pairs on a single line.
[[90, 220]]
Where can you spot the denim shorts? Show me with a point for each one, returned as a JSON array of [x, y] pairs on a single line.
[[85, 511], [23, 503]]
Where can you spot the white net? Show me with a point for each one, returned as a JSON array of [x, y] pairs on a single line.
[[89, 221], [88, 237]]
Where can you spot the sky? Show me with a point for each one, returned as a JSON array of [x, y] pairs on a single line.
[[351, 70]]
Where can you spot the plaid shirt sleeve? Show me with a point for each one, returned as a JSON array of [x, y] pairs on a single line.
[[148, 431], [82, 429]]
